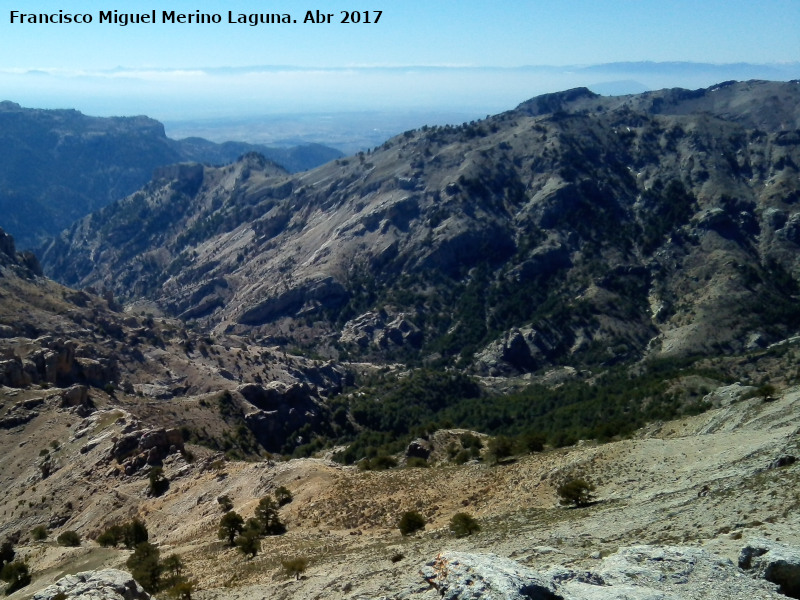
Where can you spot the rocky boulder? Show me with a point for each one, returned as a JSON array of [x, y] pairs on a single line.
[[728, 394], [136, 449], [786, 460], [464, 576], [304, 297], [13, 373], [75, 395], [775, 562], [108, 584]]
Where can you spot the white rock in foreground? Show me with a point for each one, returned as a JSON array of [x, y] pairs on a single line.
[[463, 576], [108, 584], [634, 573], [775, 562]]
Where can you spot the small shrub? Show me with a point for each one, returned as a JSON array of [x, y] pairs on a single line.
[[283, 496], [396, 558], [134, 533], [172, 566], [17, 575], [767, 391], [181, 590], [379, 463], [469, 440], [230, 526], [39, 533], [158, 483], [531, 442], [452, 450], [463, 525], [461, 457], [411, 522], [7, 552], [576, 492], [172, 579], [267, 515], [145, 567], [416, 462], [112, 536], [225, 503], [69, 538], [294, 567], [248, 543], [501, 447]]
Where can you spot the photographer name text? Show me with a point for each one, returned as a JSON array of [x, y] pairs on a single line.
[[171, 17]]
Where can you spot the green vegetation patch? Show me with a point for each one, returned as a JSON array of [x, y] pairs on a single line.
[[389, 410]]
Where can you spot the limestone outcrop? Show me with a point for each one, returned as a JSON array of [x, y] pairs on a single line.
[[775, 562], [138, 448], [632, 573], [107, 584]]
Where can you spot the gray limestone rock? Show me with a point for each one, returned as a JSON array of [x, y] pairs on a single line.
[[108, 584], [464, 576], [777, 563], [633, 573]]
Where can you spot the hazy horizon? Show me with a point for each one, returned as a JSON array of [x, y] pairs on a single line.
[[466, 33], [460, 57], [209, 94]]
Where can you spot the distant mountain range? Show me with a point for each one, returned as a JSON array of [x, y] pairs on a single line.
[[575, 229], [57, 166]]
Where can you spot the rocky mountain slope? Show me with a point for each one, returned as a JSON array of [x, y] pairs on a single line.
[[59, 348], [695, 491], [554, 245], [574, 229], [57, 166]]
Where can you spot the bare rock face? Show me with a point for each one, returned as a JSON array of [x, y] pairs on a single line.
[[7, 245], [520, 350], [463, 576], [305, 296], [136, 449], [13, 373], [381, 331], [774, 562], [74, 395], [633, 573], [108, 584], [726, 395], [56, 361]]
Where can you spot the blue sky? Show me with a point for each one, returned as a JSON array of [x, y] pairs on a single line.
[[164, 67]]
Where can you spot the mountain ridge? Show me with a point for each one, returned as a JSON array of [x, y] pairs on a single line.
[[59, 165], [610, 228], [617, 288]]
